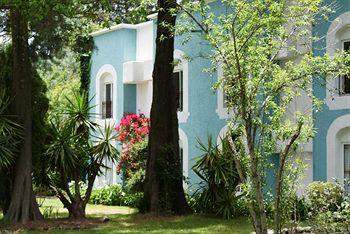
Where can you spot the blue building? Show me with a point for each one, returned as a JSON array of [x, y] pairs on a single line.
[[121, 82]]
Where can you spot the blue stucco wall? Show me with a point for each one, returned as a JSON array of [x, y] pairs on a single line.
[[115, 48], [325, 117], [202, 99]]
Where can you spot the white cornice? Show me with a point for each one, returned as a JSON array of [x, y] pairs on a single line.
[[120, 26]]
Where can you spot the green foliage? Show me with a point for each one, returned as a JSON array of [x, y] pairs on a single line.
[[217, 192], [61, 75], [324, 196], [110, 195], [61, 151], [134, 174], [115, 196], [135, 182]]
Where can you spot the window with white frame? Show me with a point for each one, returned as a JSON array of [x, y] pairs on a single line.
[[107, 101], [338, 38], [180, 76], [106, 93], [222, 110], [344, 81]]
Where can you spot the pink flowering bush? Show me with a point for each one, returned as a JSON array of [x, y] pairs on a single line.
[[132, 131]]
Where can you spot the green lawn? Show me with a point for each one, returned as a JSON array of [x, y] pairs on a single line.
[[125, 220]]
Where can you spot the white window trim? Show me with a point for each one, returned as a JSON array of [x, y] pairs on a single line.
[[106, 69], [183, 66], [222, 134], [333, 100], [335, 166], [184, 141], [223, 112]]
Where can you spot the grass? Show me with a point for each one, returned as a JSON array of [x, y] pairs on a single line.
[[125, 220], [52, 208]]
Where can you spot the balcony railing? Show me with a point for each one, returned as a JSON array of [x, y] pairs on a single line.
[[107, 110]]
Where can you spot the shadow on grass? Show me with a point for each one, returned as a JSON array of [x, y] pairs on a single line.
[[179, 224], [123, 221], [137, 223]]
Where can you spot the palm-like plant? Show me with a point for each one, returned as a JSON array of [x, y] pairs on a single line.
[[10, 133], [79, 114], [218, 188], [61, 151], [75, 157]]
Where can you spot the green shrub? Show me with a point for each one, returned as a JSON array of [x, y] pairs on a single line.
[[324, 196], [136, 180], [110, 196], [115, 196]]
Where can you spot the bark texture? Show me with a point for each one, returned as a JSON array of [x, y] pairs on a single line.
[[163, 186], [23, 206]]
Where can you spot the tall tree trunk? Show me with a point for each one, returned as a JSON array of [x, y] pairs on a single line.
[[163, 186], [23, 206]]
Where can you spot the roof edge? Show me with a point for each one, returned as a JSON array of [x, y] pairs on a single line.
[[125, 26]]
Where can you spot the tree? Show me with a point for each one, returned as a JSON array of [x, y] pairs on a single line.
[[40, 106], [163, 183], [73, 158], [247, 42]]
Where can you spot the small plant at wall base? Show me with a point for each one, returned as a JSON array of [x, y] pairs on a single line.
[[217, 193]]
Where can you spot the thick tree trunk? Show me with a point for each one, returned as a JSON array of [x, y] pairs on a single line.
[[163, 186], [23, 206], [77, 210]]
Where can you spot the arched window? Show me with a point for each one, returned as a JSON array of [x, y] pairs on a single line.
[[338, 38], [338, 151], [106, 92], [222, 109], [180, 76]]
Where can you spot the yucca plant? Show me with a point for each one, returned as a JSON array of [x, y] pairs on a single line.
[[10, 133], [75, 157], [217, 190]]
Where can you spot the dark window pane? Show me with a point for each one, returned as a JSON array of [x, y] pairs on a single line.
[[108, 92], [178, 85], [107, 104], [347, 46], [182, 158]]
